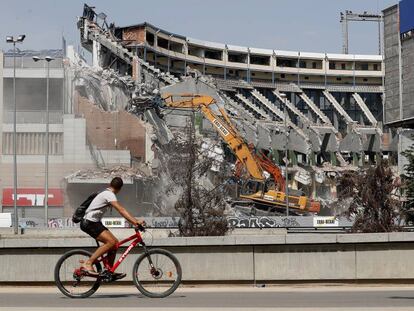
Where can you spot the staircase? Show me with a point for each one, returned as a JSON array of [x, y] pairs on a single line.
[[268, 104], [315, 108], [338, 107], [228, 100], [292, 107], [365, 109], [98, 35], [252, 106]]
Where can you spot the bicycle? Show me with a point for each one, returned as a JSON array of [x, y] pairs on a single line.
[[148, 273]]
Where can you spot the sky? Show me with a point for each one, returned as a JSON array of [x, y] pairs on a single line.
[[295, 25]]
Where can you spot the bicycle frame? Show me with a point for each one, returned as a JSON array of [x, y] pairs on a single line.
[[136, 240]]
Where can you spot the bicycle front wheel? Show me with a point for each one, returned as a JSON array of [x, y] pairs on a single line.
[[72, 281], [157, 273]]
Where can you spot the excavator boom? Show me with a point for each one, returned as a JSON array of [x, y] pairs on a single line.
[[247, 158]]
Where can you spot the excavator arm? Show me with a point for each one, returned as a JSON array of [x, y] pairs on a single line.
[[247, 158], [223, 126]]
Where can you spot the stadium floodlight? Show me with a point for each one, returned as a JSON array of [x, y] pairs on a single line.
[[20, 38], [12, 40], [48, 59]]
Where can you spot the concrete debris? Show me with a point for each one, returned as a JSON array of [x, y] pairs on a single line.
[[214, 152], [124, 172]]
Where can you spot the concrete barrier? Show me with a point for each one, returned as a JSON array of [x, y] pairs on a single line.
[[233, 258]]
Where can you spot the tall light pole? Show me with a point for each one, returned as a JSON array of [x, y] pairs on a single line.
[[48, 59], [18, 39], [284, 98]]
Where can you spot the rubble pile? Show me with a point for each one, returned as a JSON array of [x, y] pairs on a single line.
[[125, 172]]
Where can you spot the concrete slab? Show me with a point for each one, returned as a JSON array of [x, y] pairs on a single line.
[[310, 238], [258, 240], [362, 238], [219, 240], [304, 262], [385, 261], [401, 236], [25, 243]]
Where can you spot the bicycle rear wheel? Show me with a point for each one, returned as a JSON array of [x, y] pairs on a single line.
[[70, 280], [157, 273]]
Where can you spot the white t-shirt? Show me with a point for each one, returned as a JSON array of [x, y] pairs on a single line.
[[99, 205]]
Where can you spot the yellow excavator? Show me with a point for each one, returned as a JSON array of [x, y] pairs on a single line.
[[268, 198]]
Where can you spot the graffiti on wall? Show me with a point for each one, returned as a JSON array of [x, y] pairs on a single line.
[[263, 222]]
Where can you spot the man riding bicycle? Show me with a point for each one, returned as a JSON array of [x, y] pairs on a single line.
[[92, 225]]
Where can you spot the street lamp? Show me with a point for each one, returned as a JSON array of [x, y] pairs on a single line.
[[13, 40], [48, 59], [284, 99]]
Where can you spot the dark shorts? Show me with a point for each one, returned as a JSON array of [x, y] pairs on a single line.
[[94, 229]]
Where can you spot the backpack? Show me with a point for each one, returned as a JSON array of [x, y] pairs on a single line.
[[80, 211]]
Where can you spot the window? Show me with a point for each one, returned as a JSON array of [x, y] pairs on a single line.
[[253, 74], [306, 78], [282, 75], [338, 79], [259, 60], [314, 65], [343, 67], [365, 80], [302, 64], [376, 67], [364, 66], [331, 65]]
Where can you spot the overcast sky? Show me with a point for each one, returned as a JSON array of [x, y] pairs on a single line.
[[297, 25]]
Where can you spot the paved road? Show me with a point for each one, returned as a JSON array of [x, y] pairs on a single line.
[[317, 297]]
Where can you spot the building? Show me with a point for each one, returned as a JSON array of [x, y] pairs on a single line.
[[399, 76], [74, 142]]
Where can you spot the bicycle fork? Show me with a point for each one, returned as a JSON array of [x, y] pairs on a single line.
[[154, 271]]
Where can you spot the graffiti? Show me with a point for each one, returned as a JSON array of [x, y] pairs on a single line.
[[162, 222], [263, 222], [31, 222], [61, 223]]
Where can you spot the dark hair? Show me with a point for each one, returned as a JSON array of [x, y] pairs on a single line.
[[116, 183]]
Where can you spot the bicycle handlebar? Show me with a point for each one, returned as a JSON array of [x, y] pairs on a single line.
[[140, 228]]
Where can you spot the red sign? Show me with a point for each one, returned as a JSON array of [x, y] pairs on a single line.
[[32, 197]]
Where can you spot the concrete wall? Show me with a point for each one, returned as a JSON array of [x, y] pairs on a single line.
[[280, 257], [399, 77], [112, 130]]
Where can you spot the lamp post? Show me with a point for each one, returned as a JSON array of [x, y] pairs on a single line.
[[13, 40], [48, 59], [284, 98]]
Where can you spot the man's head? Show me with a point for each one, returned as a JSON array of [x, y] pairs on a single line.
[[116, 184]]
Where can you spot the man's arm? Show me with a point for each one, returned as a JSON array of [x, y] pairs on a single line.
[[122, 210]]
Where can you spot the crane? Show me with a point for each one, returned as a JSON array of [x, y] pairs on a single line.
[[254, 163]]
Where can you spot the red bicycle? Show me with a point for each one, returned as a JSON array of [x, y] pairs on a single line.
[[156, 273]]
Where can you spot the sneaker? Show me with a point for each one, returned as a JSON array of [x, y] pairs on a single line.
[[118, 276]]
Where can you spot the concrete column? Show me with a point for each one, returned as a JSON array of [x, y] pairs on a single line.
[[136, 69], [293, 157], [248, 65], [225, 59], [96, 50], [1, 124], [333, 158], [312, 158], [355, 159], [1, 103], [332, 186]]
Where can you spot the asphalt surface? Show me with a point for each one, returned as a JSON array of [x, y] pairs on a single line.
[[309, 297]]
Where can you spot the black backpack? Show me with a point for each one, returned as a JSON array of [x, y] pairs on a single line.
[[80, 211]]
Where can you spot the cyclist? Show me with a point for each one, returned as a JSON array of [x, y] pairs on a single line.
[[92, 225]]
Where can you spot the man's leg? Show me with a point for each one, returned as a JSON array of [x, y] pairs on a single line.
[[109, 241]]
